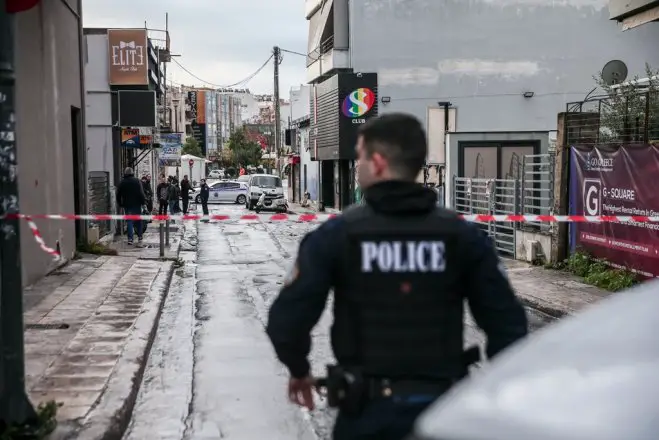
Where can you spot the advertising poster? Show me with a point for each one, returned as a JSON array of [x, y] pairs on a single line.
[[130, 137], [170, 150], [617, 181], [358, 98]]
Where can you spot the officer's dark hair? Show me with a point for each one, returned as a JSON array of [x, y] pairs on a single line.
[[400, 139]]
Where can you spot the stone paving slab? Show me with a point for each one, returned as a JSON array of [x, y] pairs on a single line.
[[150, 246], [552, 292], [97, 301]]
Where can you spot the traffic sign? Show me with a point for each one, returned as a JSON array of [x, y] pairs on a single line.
[[191, 162]]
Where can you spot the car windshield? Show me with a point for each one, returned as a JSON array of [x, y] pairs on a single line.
[[267, 181]]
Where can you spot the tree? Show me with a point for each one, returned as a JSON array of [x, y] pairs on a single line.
[[192, 147], [244, 151], [630, 109]]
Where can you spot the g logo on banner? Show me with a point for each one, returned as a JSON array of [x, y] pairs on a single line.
[[592, 196]]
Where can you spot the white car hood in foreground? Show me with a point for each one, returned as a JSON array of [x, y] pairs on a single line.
[[594, 376]]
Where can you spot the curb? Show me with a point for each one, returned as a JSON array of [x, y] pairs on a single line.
[[542, 307]]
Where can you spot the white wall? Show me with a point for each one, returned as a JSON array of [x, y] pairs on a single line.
[[98, 106]]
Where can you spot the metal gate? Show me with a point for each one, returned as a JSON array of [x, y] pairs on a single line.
[[100, 198], [490, 197]]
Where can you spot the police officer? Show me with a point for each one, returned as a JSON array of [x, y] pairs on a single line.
[[401, 269]]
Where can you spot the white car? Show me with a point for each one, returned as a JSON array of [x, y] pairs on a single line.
[[216, 174], [273, 189], [225, 191]]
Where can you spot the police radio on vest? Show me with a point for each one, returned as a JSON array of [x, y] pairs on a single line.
[[403, 256]]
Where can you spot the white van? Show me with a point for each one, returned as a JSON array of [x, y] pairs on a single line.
[[273, 189]]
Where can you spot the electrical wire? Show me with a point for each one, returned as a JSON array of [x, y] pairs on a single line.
[[239, 83]]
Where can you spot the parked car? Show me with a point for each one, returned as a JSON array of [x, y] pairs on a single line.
[[273, 189], [216, 174], [225, 191], [592, 376]]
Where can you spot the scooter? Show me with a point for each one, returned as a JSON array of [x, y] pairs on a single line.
[[260, 204]]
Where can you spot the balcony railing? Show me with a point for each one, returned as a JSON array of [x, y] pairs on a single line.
[[324, 47]]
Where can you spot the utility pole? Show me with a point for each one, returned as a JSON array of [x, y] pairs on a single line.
[[277, 57], [15, 408]]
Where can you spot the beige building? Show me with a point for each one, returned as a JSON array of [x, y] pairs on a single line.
[[49, 121]]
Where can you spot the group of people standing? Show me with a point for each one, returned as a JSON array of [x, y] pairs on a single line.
[[170, 191], [136, 197]]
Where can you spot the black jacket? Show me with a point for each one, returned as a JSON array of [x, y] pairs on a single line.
[[130, 193], [185, 187], [205, 192], [148, 192], [477, 276]]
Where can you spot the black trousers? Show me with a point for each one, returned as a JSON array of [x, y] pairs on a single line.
[[382, 419], [204, 206], [186, 202], [162, 207]]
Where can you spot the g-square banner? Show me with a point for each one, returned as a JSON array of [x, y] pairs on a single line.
[[617, 181]]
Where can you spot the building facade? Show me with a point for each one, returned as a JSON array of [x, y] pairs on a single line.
[[304, 171], [478, 68], [634, 13], [50, 108], [111, 69]]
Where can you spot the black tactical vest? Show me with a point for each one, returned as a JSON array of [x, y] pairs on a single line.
[[398, 302]]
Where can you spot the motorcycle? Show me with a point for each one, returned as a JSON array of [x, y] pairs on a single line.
[[260, 204]]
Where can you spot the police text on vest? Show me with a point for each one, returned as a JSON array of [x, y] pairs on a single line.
[[403, 256]]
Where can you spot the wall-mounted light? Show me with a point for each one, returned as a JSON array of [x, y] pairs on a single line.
[[529, 94], [386, 99]]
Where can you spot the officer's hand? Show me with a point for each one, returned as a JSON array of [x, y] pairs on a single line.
[[300, 391]]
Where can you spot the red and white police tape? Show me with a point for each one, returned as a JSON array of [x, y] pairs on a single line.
[[521, 218], [313, 218]]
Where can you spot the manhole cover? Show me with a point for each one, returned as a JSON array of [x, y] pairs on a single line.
[[61, 326]]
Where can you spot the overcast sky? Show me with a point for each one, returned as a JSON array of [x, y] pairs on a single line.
[[220, 41]]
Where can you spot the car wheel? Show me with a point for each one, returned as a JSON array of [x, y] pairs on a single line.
[[197, 199], [241, 199]]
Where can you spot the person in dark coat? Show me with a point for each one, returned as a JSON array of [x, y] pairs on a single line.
[[148, 192], [185, 193], [204, 194], [130, 198], [163, 194]]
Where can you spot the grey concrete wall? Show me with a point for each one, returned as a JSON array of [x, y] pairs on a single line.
[[99, 105], [48, 85], [483, 54]]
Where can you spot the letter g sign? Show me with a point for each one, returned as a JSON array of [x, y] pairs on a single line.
[[592, 196]]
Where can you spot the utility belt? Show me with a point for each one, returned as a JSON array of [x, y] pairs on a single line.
[[350, 390]]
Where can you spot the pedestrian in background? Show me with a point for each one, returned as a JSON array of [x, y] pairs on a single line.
[[204, 193], [130, 197], [185, 193], [148, 192], [163, 193], [172, 195]]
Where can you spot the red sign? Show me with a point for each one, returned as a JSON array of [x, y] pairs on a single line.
[[613, 180], [14, 6], [191, 162]]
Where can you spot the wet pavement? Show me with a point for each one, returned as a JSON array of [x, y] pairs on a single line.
[[212, 373]]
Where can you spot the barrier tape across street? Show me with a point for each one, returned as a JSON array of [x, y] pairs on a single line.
[[483, 218]]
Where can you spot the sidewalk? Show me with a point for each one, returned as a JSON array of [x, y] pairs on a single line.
[[150, 246], [552, 292], [88, 328]]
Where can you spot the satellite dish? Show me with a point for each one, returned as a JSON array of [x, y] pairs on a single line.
[[614, 72]]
